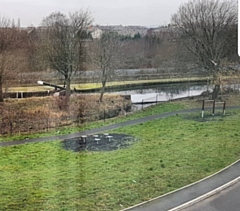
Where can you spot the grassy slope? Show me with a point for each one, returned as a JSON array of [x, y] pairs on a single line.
[[161, 108], [232, 100], [171, 153], [98, 85]]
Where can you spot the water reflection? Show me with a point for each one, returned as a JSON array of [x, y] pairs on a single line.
[[165, 92]]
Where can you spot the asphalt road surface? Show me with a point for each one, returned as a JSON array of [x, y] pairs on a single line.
[[226, 200]]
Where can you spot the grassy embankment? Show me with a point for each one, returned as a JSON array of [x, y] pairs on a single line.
[[85, 86], [232, 100], [169, 154], [164, 107], [98, 85]]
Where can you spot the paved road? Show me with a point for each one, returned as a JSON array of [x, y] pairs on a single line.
[[181, 196], [226, 200]]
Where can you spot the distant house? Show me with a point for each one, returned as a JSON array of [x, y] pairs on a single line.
[[130, 31], [96, 32], [158, 30]]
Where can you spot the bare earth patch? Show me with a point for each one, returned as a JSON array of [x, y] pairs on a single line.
[[99, 142]]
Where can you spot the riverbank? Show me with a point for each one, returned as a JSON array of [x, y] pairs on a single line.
[[127, 85], [94, 87]]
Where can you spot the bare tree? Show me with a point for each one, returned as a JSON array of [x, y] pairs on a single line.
[[63, 43], [205, 27], [106, 55], [9, 40]]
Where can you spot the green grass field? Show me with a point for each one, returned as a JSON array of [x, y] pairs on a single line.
[[170, 153]]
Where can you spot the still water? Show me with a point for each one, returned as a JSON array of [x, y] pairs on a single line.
[[165, 92]]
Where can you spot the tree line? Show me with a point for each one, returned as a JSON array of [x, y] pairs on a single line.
[[203, 35]]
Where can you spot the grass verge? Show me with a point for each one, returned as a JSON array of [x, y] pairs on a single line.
[[171, 152]]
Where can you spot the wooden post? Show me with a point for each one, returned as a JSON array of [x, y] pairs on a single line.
[[213, 110], [11, 127], [203, 108], [47, 125], [207, 85], [224, 107]]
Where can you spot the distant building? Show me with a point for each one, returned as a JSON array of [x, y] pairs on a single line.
[[158, 30], [95, 32], [130, 31]]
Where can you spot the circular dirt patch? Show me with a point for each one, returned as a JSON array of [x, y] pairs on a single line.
[[99, 142]]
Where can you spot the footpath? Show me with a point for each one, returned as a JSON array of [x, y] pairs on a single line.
[[196, 192], [101, 129], [175, 200], [105, 128]]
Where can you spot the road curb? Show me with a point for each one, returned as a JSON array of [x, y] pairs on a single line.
[[193, 201]]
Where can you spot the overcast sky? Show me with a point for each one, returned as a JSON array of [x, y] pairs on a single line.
[[104, 12]]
